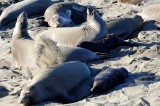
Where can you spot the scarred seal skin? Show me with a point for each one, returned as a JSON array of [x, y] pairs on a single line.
[[54, 82], [93, 29]]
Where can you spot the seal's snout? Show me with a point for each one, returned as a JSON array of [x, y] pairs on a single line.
[[23, 100], [23, 14]]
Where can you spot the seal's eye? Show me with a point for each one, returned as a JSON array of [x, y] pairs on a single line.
[[28, 93]]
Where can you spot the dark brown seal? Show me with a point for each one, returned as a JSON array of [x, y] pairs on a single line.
[[105, 45], [108, 79]]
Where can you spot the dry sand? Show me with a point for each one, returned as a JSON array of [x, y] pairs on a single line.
[[141, 88]]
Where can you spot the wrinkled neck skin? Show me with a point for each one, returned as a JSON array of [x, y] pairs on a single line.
[[95, 26], [20, 32]]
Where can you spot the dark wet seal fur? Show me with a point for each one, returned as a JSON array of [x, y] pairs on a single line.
[[107, 79], [105, 45]]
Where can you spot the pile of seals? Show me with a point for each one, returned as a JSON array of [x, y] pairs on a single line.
[[77, 35]]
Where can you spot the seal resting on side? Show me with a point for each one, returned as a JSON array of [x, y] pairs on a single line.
[[22, 45], [105, 45], [42, 52], [130, 1], [55, 82], [94, 29], [32, 7], [124, 27], [49, 54], [65, 14], [107, 79], [151, 13]]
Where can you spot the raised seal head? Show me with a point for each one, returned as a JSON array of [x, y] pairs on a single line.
[[22, 21]]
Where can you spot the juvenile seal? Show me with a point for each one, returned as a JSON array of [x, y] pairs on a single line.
[[124, 27], [32, 7], [105, 45], [49, 54], [22, 45], [94, 29], [107, 79], [64, 14], [150, 13], [130, 1], [55, 82]]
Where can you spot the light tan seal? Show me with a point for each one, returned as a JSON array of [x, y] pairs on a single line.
[[130, 1], [151, 12], [42, 52], [94, 29], [32, 7], [22, 45], [65, 14], [26, 51], [49, 54], [124, 27], [55, 82]]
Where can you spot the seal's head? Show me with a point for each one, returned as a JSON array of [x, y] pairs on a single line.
[[61, 19], [26, 96], [22, 20], [138, 19], [92, 16]]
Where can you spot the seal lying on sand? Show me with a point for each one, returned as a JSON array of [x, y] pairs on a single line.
[[42, 52], [65, 14], [107, 79], [22, 45], [151, 13], [32, 7], [54, 83], [125, 27], [105, 45], [94, 29], [130, 1], [49, 54]]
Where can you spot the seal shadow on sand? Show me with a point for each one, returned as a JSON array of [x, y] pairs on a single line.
[[118, 53]]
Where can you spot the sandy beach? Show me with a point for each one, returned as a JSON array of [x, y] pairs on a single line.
[[141, 88]]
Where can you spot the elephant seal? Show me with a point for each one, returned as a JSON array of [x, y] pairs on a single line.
[[55, 82], [49, 54], [26, 51], [130, 1], [105, 45], [40, 53], [107, 79], [22, 45], [94, 29], [64, 14], [151, 13], [124, 27], [32, 7]]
